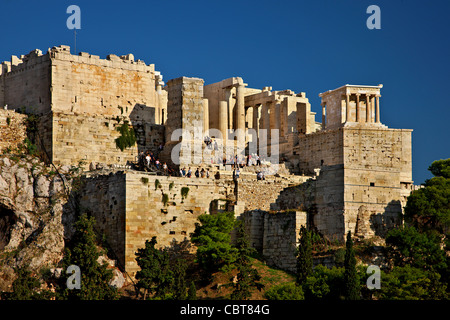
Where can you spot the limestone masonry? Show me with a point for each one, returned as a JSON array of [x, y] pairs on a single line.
[[346, 172]]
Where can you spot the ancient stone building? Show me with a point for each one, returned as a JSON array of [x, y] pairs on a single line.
[[346, 172], [82, 99]]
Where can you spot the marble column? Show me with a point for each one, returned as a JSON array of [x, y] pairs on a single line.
[[256, 117], [249, 117], [368, 115], [347, 107], [378, 109], [358, 112], [323, 115], [223, 119], [240, 108], [205, 116]]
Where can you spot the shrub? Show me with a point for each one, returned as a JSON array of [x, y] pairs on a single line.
[[285, 291], [127, 137]]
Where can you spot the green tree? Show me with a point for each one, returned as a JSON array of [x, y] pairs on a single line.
[[411, 283], [285, 291], [26, 287], [351, 279], [192, 292], [304, 256], [179, 286], [84, 253], [154, 275], [247, 277], [409, 246], [213, 241], [324, 283], [429, 207], [440, 168]]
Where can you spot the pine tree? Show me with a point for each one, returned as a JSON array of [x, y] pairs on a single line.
[[83, 252], [155, 275], [192, 293], [247, 277], [179, 288], [213, 241], [304, 257], [352, 288]]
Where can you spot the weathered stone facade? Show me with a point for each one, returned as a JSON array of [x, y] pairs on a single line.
[[12, 130], [78, 98], [349, 172]]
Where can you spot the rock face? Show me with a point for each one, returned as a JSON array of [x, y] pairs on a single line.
[[32, 201]]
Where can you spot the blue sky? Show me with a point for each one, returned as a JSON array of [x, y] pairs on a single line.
[[309, 46]]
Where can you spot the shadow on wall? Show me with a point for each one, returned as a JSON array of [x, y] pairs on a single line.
[[149, 135], [381, 223]]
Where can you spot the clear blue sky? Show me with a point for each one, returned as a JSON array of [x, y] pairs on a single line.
[[309, 46]]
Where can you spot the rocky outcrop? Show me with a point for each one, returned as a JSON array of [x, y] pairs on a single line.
[[32, 201], [36, 217]]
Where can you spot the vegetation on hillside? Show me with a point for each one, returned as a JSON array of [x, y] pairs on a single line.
[[417, 264]]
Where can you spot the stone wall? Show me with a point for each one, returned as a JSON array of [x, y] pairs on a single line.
[[377, 178], [275, 235], [186, 112], [131, 207], [92, 139], [103, 196], [25, 82], [323, 148], [77, 96], [12, 129]]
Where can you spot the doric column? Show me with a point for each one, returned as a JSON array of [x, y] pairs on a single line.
[[358, 111], [240, 108], [205, 116], [223, 119], [347, 107], [378, 108], [249, 117], [256, 117], [323, 115], [372, 109], [368, 108]]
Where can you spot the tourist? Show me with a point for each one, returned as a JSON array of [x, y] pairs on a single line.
[[165, 167], [202, 173], [197, 173], [207, 173], [237, 173], [189, 173]]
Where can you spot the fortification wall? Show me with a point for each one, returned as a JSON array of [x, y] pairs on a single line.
[[115, 86], [92, 139], [104, 197], [81, 99], [25, 82], [12, 129], [323, 148], [131, 207], [275, 235], [377, 178]]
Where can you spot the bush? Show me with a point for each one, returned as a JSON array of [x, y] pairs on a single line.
[[325, 283], [285, 291], [127, 137], [213, 241]]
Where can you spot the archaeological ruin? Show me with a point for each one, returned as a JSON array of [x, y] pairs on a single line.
[[346, 172]]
